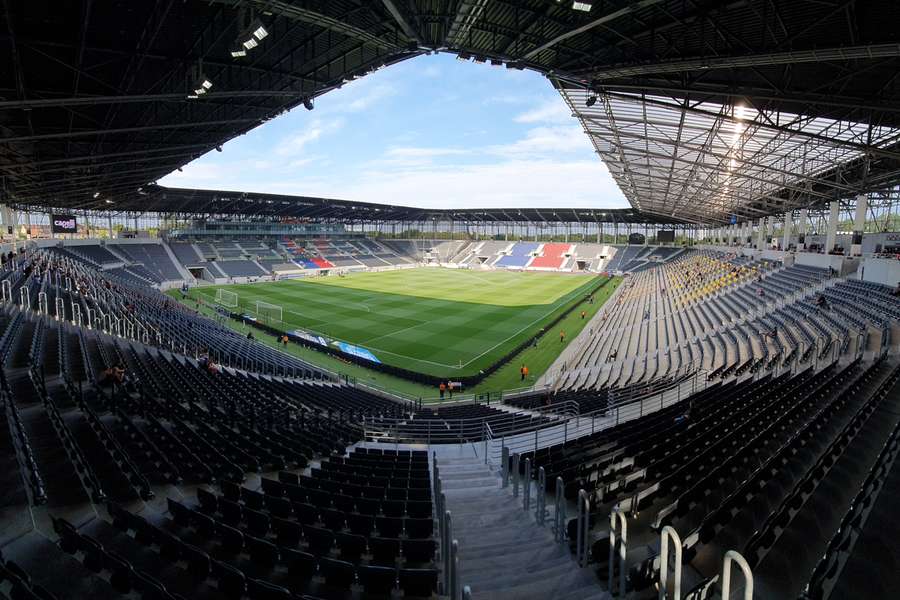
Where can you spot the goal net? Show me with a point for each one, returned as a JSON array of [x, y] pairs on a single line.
[[268, 313], [226, 298]]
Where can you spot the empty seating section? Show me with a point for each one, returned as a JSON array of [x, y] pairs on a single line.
[[186, 253], [552, 256], [456, 424], [239, 268], [519, 255], [705, 312], [92, 253], [794, 472], [154, 259]]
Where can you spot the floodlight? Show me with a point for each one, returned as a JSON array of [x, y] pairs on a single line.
[[308, 103], [96, 194], [592, 100], [582, 5], [206, 83], [250, 43], [259, 30], [218, 148], [238, 52]]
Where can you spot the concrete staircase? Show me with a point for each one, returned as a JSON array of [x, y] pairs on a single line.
[[503, 553]]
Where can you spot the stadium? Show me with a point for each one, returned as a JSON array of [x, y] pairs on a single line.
[[274, 394]]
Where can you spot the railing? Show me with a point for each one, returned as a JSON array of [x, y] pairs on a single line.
[[449, 547], [585, 424]]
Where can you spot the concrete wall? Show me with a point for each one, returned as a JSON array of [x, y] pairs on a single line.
[[881, 270]]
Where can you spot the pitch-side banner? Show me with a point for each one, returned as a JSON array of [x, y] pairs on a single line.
[[356, 351]]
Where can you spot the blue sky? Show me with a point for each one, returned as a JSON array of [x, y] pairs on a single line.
[[432, 131]]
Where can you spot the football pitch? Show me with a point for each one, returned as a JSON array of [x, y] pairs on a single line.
[[441, 322]]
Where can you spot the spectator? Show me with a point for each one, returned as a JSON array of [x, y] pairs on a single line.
[[443, 389], [249, 335]]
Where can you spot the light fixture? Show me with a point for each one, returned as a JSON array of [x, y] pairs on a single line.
[[259, 30], [592, 100], [218, 148], [96, 194], [308, 103], [582, 5], [108, 201], [249, 38]]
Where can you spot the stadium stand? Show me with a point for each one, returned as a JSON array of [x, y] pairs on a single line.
[[552, 256], [239, 268], [519, 255], [153, 258]]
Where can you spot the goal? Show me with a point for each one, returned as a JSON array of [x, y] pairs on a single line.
[[226, 298], [268, 313]]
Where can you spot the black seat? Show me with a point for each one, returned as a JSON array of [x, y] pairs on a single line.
[[279, 507], [301, 565], [306, 513], [253, 499], [384, 550], [232, 540], [231, 582], [122, 573], [209, 503], [230, 490], [361, 524], [338, 573], [289, 533], [263, 590], [180, 513], [263, 554], [389, 526], [257, 522], [352, 547], [368, 506], [419, 551], [204, 524], [377, 580], [199, 564], [419, 509], [270, 487], [320, 540], [231, 512], [419, 528], [333, 519], [393, 508], [418, 582]]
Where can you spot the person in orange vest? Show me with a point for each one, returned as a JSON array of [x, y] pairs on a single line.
[[562, 337], [525, 374], [522, 372], [443, 389], [583, 313]]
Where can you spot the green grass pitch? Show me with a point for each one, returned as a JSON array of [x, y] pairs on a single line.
[[442, 322]]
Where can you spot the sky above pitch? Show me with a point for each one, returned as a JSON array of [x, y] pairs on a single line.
[[432, 132]]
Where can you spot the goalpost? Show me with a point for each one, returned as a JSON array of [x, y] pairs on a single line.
[[227, 298], [268, 313]]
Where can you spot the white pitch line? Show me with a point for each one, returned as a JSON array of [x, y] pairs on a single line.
[[395, 332], [555, 307]]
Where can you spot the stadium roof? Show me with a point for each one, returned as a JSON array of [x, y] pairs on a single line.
[[99, 99], [200, 203]]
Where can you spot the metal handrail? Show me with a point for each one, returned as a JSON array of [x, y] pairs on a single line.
[[559, 516], [615, 516], [668, 532], [583, 522], [734, 556]]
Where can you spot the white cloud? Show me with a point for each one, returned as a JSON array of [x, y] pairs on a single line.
[[553, 110], [545, 142], [414, 152], [310, 133]]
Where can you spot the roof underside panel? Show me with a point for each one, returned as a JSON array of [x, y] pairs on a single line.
[[702, 162], [96, 95]]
